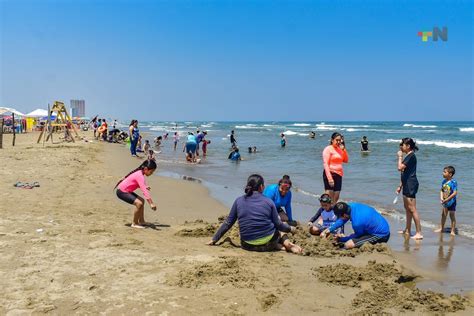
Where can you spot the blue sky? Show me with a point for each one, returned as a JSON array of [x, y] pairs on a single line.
[[239, 60]]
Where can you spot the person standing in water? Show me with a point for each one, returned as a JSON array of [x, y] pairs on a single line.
[[282, 140], [334, 156], [233, 141], [364, 144], [409, 185]]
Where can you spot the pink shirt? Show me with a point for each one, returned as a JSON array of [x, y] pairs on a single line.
[[333, 157], [133, 182]]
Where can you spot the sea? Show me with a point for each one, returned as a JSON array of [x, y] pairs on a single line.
[[369, 178]]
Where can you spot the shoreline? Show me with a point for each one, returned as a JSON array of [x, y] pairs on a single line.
[[85, 259]]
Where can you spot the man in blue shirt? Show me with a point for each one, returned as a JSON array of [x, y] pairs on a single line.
[[280, 194], [368, 225]]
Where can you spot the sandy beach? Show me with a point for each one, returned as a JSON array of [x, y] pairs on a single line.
[[67, 249]]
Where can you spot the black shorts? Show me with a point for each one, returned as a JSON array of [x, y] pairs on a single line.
[[370, 239], [337, 182], [272, 245], [127, 197], [410, 189], [452, 207]]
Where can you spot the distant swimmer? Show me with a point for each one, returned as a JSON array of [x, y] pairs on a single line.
[[252, 150], [364, 144], [312, 135], [282, 140]]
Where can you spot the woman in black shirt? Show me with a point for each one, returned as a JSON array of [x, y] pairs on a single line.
[[409, 185]]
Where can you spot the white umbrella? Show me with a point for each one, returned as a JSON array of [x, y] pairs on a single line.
[[5, 110], [38, 113]]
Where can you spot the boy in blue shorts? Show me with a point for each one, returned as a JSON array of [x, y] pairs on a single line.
[[447, 195]]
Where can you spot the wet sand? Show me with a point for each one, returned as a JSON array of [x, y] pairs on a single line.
[[67, 249]]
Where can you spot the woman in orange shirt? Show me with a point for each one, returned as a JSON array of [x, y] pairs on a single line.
[[334, 156]]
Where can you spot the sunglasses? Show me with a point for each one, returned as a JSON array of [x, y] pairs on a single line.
[[325, 200]]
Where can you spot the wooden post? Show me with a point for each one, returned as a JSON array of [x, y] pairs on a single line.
[[13, 126], [1, 133]]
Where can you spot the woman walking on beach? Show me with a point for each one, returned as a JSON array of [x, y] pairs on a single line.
[[334, 156], [132, 181], [280, 194], [409, 185], [134, 135], [259, 223]]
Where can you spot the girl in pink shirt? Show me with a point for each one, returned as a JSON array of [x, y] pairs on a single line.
[[334, 156], [132, 181]]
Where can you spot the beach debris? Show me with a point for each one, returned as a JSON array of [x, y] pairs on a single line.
[[189, 178], [26, 185], [39, 230], [267, 301]]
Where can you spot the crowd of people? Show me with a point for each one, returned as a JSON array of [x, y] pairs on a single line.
[[265, 214]]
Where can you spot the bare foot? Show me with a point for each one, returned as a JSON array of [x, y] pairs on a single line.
[[439, 230], [296, 249], [406, 232], [453, 233], [137, 226], [417, 236]]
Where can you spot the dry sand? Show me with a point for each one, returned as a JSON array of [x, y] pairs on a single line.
[[66, 249]]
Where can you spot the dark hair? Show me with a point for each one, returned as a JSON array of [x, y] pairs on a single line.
[[334, 135], [450, 169], [341, 208], [250, 149], [285, 180], [253, 184], [149, 164], [410, 142], [325, 198], [132, 122]]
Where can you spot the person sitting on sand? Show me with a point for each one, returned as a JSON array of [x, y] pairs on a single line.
[[368, 225], [147, 146], [259, 223], [325, 215], [133, 180], [280, 194]]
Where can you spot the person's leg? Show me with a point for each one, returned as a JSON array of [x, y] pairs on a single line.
[[349, 244], [416, 218], [141, 216], [444, 215], [330, 193], [408, 216], [136, 213], [336, 196], [452, 215], [314, 230], [283, 216], [289, 246]]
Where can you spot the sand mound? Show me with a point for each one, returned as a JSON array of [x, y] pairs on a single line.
[[207, 231], [223, 271], [316, 246], [201, 228], [388, 289]]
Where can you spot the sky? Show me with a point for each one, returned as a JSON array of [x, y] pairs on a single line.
[[224, 60]]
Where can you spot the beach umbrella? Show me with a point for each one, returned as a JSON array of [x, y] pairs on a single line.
[[38, 113]]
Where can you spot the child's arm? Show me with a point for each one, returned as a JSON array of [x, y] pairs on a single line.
[[450, 197]]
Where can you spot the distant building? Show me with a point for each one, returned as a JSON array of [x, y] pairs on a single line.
[[78, 108]]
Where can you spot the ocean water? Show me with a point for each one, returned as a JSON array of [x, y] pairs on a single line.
[[369, 178]]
